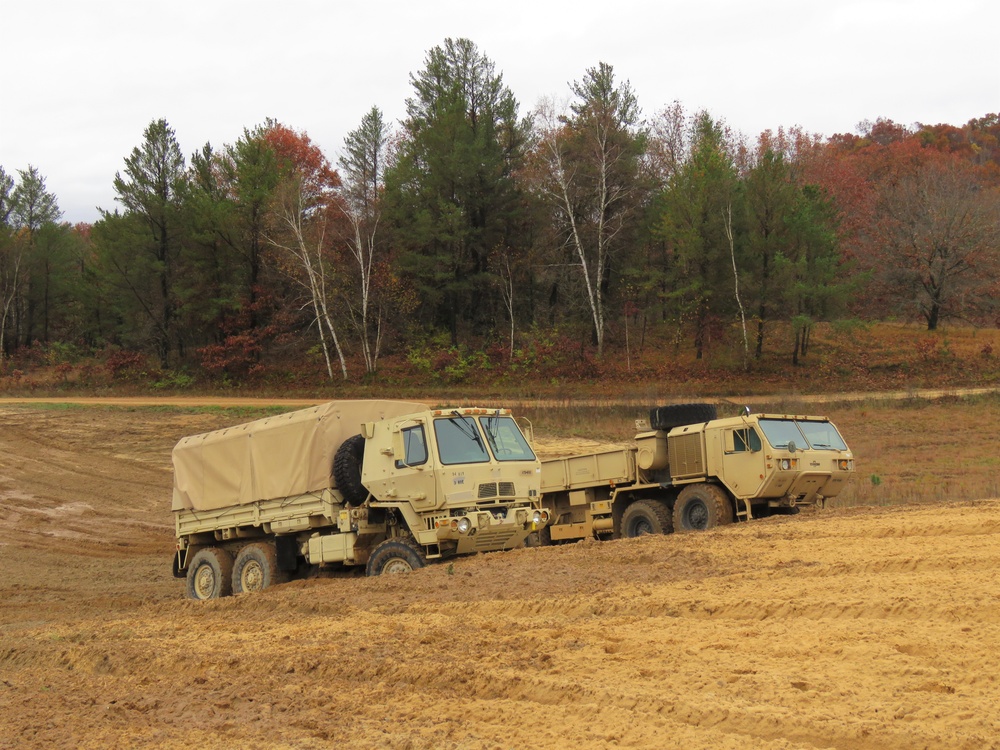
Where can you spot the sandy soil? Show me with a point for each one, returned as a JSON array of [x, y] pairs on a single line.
[[874, 628]]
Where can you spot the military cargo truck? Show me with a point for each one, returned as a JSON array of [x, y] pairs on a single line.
[[691, 471], [389, 485]]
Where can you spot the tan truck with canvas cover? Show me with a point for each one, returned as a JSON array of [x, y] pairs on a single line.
[[693, 471], [389, 485]]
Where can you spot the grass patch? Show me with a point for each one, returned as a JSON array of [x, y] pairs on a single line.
[[921, 450]]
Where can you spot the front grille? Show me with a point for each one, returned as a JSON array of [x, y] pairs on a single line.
[[492, 489]]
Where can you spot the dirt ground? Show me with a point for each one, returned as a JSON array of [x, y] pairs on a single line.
[[864, 628]]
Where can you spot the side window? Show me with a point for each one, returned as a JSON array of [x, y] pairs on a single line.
[[746, 440], [414, 446]]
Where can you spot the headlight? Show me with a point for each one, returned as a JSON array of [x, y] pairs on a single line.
[[786, 464], [464, 524], [845, 464], [536, 517]]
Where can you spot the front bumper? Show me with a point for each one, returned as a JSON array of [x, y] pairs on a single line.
[[486, 531]]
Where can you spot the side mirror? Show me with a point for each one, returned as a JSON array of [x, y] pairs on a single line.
[[526, 429], [792, 447]]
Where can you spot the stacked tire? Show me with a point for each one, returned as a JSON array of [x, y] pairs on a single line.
[[666, 418]]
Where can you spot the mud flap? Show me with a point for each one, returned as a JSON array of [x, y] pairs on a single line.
[[177, 570], [288, 552]]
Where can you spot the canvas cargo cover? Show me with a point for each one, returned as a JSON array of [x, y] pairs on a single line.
[[275, 457]]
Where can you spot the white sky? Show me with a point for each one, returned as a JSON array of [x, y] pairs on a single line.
[[84, 78]]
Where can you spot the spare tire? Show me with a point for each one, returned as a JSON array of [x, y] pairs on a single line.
[[667, 418], [347, 470]]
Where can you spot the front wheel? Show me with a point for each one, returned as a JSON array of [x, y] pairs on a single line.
[[702, 506], [209, 574], [540, 538], [646, 517], [395, 556], [256, 569]]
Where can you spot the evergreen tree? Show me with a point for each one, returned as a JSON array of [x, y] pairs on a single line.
[[697, 206], [140, 249], [451, 194], [818, 285], [34, 212], [231, 199], [771, 199]]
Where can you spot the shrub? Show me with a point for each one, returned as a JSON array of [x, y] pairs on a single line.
[[125, 364]]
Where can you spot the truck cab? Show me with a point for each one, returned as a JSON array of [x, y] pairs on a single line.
[[774, 460], [469, 473]]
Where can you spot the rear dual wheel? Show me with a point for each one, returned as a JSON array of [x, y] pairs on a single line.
[[213, 574], [256, 569], [210, 574]]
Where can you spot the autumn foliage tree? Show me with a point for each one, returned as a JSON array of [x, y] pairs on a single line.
[[306, 207], [940, 230]]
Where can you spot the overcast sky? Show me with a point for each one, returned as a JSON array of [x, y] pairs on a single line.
[[83, 79]]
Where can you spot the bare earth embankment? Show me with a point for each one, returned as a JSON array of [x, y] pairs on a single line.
[[864, 628]]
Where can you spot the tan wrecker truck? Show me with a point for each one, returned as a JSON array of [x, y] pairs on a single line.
[[388, 485], [691, 471]]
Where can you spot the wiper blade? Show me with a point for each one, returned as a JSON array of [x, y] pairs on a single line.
[[465, 428]]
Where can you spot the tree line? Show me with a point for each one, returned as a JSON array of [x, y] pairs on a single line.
[[475, 225]]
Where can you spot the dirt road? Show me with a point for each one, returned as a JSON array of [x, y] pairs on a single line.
[[872, 628]]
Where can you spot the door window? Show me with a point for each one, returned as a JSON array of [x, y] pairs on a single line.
[[414, 447]]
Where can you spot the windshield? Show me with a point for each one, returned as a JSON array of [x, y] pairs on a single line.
[[823, 436], [459, 441], [506, 440], [779, 431], [816, 435]]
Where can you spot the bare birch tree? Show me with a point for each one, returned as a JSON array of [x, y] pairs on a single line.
[[25, 208], [363, 165], [11, 253], [304, 241], [591, 157], [304, 207], [10, 258]]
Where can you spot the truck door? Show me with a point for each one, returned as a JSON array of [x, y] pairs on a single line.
[[414, 468], [743, 461]]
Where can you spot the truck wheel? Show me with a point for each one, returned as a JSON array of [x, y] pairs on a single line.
[[395, 556], [256, 569], [347, 470], [210, 573], [540, 538], [667, 418], [702, 506], [646, 517]]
